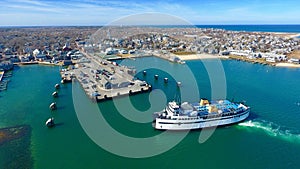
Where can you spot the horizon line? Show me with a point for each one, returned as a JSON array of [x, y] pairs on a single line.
[[270, 24]]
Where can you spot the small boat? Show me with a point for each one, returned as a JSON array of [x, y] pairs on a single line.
[[53, 106], [166, 80], [55, 94], [156, 77], [144, 72], [178, 84], [50, 122], [57, 86], [62, 81]]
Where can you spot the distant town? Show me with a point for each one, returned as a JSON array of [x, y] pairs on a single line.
[[65, 45]]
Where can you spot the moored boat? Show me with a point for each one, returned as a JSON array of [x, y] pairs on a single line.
[[50, 122], [53, 106], [57, 86], [55, 94]]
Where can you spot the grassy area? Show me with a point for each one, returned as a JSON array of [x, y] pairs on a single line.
[[184, 53], [294, 54]]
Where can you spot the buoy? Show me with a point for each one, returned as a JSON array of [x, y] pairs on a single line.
[[156, 77], [55, 94], [57, 86], [53, 106], [144, 72], [166, 80], [50, 122]]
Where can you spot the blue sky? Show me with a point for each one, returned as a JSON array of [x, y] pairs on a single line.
[[102, 12]]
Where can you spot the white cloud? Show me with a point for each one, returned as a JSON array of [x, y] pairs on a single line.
[[95, 12], [101, 11]]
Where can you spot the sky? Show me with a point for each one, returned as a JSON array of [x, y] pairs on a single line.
[[103, 12]]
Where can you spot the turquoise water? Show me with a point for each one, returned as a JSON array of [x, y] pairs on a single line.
[[270, 138]]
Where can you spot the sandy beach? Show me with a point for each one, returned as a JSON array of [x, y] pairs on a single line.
[[287, 35], [199, 57], [288, 65]]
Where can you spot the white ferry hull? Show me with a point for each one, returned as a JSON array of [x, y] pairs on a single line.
[[167, 124]]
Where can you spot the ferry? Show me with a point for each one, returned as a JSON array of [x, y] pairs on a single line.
[[188, 116]]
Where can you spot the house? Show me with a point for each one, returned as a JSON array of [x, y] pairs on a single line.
[[83, 60], [123, 51], [40, 57], [14, 59], [24, 59], [36, 52], [271, 59], [7, 52], [6, 65], [67, 62], [293, 60], [111, 51]]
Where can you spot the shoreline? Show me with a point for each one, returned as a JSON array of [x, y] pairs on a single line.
[[200, 57], [210, 56]]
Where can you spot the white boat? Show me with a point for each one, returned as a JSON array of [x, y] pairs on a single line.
[[55, 94], [53, 106], [200, 115], [50, 122], [57, 86]]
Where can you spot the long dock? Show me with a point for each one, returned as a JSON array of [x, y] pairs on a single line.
[[104, 80]]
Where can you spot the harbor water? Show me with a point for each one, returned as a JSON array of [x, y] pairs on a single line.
[[269, 138]]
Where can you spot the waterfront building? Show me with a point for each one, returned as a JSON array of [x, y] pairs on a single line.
[[6, 65]]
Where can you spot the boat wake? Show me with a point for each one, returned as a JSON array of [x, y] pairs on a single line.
[[273, 130]]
